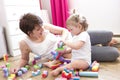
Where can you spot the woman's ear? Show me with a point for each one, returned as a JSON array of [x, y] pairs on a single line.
[[29, 33]]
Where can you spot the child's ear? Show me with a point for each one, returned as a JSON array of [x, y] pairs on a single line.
[[73, 11]]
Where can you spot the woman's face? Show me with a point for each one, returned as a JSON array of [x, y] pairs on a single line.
[[37, 31]]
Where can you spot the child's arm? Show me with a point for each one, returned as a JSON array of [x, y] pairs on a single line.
[[74, 45]]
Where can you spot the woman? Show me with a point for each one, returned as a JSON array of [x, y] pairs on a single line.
[[40, 39]]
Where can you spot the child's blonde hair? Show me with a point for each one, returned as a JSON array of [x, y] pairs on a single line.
[[75, 19]]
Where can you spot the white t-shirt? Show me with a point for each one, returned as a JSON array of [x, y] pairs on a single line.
[[45, 47], [85, 51]]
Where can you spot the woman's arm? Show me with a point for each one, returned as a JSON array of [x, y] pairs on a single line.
[[24, 54], [57, 30]]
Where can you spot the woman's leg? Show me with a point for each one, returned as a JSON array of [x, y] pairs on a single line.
[[77, 64]]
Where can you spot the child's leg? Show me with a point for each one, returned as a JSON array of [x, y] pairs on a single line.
[[49, 64], [67, 53], [78, 64], [67, 56]]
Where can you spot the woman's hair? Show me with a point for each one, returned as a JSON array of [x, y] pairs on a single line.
[[28, 22], [75, 19]]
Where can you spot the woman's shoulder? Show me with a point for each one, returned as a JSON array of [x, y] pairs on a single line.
[[23, 45], [24, 41]]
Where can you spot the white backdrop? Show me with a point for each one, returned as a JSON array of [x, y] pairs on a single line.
[[101, 14]]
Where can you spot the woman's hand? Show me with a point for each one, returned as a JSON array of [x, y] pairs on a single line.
[[14, 70]]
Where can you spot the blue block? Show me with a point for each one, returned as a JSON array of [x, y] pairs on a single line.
[[76, 78], [89, 74]]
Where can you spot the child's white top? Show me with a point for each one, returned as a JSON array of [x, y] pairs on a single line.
[[85, 51], [45, 47]]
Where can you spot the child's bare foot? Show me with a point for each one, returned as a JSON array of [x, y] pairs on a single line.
[[51, 63], [48, 64], [55, 72]]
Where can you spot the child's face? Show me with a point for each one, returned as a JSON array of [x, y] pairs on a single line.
[[75, 30]]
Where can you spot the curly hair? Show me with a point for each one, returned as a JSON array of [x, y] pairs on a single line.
[[75, 19], [28, 22]]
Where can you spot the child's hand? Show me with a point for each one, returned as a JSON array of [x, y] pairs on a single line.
[[61, 44]]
